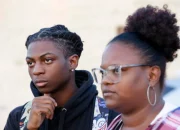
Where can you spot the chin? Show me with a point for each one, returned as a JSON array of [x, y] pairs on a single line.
[[44, 91], [111, 104]]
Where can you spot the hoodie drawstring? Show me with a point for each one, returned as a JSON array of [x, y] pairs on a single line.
[[62, 117]]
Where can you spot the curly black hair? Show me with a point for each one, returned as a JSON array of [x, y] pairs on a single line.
[[154, 33], [64, 39], [158, 27]]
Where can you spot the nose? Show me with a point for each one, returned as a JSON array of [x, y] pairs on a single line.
[[106, 81], [38, 69]]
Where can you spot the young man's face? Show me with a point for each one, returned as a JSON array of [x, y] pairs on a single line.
[[48, 68]]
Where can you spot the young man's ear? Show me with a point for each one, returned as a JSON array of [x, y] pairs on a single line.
[[73, 61], [154, 75]]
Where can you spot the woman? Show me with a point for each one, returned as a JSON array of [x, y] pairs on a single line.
[[133, 68], [65, 98]]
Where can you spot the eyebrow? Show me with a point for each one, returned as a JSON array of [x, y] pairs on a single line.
[[103, 67], [48, 53]]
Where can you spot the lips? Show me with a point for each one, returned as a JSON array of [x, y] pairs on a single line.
[[41, 83], [107, 93]]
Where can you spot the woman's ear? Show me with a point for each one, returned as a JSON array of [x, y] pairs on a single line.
[[154, 75], [73, 61]]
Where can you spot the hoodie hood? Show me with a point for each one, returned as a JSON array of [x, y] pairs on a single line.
[[82, 78], [80, 105]]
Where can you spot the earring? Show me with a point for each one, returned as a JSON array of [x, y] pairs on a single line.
[[148, 95], [72, 70]]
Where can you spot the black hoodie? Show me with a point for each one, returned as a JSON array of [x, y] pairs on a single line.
[[77, 113]]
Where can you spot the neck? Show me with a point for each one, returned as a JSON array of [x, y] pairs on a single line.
[[62, 96], [143, 117]]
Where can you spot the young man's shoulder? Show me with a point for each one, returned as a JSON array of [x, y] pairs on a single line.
[[14, 118], [111, 114]]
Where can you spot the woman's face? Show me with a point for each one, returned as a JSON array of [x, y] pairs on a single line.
[[130, 93]]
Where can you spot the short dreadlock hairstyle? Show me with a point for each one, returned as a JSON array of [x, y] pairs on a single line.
[[64, 39]]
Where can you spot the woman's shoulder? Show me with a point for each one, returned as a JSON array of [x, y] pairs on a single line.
[[170, 121], [174, 116], [177, 110], [115, 122]]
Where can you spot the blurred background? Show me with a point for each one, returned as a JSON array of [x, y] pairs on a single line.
[[96, 21]]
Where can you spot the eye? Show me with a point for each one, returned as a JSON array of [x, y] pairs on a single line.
[[124, 69], [117, 70], [101, 72], [30, 63], [48, 61]]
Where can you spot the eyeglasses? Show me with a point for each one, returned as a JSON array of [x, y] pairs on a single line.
[[112, 73]]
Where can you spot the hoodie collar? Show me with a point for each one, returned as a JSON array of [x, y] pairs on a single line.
[[83, 80], [82, 99]]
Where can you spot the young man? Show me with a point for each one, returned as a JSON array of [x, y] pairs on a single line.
[[65, 98]]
